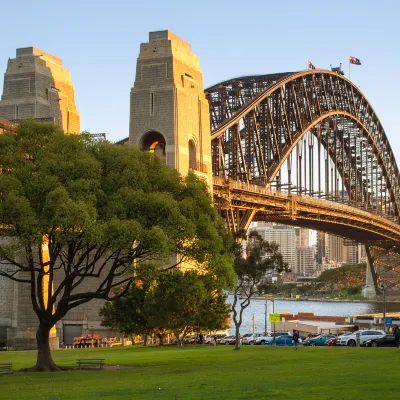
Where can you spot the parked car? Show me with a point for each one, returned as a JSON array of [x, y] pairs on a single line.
[[335, 341], [250, 338], [263, 339], [214, 338], [365, 334], [225, 340], [283, 340], [191, 339], [319, 340], [385, 341], [331, 342], [233, 341], [279, 333]]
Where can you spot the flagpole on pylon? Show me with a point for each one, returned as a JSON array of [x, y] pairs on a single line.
[[349, 69]]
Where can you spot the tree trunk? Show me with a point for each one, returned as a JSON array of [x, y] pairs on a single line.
[[179, 339], [145, 339], [237, 343], [44, 360]]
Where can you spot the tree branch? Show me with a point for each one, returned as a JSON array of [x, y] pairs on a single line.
[[12, 277]]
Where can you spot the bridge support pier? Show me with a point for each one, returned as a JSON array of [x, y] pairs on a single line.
[[368, 290]]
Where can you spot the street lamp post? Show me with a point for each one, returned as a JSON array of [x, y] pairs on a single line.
[[384, 304], [265, 315], [273, 312], [385, 287], [273, 326], [91, 335]]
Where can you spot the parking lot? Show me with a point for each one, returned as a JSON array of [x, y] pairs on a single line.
[[360, 338]]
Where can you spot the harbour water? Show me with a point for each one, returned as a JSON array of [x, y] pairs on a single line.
[[258, 307]]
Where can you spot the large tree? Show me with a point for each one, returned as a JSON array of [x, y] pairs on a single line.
[[171, 301], [185, 302], [251, 266], [79, 214]]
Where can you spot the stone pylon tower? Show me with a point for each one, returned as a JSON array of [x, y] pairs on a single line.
[[169, 113], [36, 86]]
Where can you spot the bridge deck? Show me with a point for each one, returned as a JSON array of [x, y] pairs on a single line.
[[306, 211]]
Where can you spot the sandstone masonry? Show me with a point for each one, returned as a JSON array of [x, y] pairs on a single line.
[[36, 86], [169, 112]]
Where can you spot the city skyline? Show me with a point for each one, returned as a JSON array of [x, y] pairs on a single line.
[[100, 46]]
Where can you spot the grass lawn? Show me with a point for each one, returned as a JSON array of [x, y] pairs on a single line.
[[207, 372]]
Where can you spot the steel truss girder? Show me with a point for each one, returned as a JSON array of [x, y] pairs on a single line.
[[385, 263], [260, 120]]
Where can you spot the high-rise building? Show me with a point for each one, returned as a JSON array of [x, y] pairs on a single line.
[[336, 251], [321, 248], [305, 261], [36, 86], [302, 236], [356, 252], [285, 237]]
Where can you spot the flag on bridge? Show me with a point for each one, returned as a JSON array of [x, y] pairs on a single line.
[[310, 65], [353, 60]]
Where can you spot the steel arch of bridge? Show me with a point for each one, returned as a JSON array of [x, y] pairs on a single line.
[[260, 123]]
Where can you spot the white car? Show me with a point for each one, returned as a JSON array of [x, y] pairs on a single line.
[[365, 334], [342, 336], [226, 339], [250, 338]]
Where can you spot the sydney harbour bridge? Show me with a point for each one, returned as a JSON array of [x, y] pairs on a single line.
[[307, 149], [297, 148]]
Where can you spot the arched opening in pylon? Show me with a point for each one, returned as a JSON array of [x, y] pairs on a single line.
[[192, 155], [154, 142]]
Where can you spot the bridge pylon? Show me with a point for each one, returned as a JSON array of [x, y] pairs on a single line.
[[169, 113]]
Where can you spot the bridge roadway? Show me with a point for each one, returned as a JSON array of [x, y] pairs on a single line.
[[255, 203]]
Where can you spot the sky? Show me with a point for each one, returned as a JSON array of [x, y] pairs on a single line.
[[99, 42]]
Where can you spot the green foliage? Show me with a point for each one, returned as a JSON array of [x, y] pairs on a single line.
[[186, 301], [280, 288], [101, 208], [175, 301], [127, 313], [214, 312], [348, 277], [69, 187], [345, 281]]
